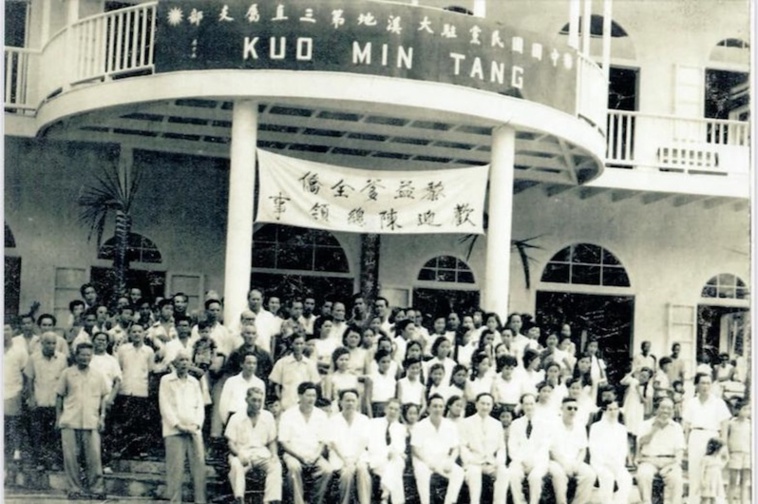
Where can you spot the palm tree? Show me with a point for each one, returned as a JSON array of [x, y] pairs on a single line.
[[113, 193], [521, 246]]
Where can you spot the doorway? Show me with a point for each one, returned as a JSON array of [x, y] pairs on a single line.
[[607, 318], [151, 283]]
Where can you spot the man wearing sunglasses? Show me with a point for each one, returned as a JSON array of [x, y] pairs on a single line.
[[567, 453]]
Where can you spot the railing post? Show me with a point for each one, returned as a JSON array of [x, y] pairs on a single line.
[[72, 46]]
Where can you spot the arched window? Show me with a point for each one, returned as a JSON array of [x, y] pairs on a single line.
[[586, 264], [294, 262], [725, 286], [596, 28], [292, 248], [446, 269], [731, 50], [138, 249]]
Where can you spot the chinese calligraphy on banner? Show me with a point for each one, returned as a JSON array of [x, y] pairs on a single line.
[[315, 195], [357, 36]]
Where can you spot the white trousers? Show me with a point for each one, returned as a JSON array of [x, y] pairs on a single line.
[[474, 482], [424, 477], [606, 476], [390, 474]]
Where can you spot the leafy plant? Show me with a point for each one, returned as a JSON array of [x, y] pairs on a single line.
[[113, 193]]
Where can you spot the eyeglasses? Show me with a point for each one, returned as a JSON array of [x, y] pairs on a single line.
[[572, 408]]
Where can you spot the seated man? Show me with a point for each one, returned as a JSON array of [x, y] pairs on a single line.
[[252, 442], [608, 450], [529, 448], [302, 436], [660, 448], [347, 453], [483, 450], [435, 445], [386, 452], [567, 451]]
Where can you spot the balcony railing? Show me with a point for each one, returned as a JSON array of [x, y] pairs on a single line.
[[670, 143], [19, 94]]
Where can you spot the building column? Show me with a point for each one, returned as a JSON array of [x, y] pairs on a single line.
[[500, 209], [239, 227]]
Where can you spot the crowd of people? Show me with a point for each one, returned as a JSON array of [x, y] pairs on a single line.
[[305, 395]]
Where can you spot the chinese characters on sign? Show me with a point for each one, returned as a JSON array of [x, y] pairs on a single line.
[[307, 194], [390, 39]]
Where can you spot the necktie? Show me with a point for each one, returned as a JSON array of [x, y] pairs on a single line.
[[528, 428], [387, 438]]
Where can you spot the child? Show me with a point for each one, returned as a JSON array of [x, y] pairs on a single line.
[[711, 480], [739, 442], [678, 396]]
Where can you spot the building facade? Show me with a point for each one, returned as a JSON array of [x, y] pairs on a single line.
[[621, 165]]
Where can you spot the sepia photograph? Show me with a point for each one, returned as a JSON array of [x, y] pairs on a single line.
[[378, 251]]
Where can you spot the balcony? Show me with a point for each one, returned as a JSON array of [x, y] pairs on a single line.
[[656, 142], [120, 45]]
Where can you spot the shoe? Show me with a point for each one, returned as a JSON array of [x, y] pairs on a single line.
[[107, 470], [16, 454]]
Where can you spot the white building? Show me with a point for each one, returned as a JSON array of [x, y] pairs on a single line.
[[640, 211]]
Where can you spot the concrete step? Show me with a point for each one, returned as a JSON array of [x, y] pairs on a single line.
[[150, 467]]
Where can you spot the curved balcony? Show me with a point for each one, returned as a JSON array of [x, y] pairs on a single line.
[[80, 60]]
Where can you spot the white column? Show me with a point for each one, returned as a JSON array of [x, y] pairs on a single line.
[[239, 228], [500, 209], [587, 28], [607, 27], [575, 9], [480, 8]]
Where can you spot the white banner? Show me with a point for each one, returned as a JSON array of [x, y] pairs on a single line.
[[315, 195]]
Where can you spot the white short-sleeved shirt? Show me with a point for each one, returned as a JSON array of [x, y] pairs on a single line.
[[108, 366], [240, 430], [666, 441], [289, 373], [305, 435], [569, 441], [435, 442], [411, 392], [383, 386], [14, 362], [350, 438], [234, 394], [508, 392], [708, 415]]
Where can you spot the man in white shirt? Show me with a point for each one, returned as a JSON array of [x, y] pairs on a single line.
[[136, 361], [529, 449], [251, 433], [303, 433], [483, 450], [265, 321], [567, 453], [660, 449], [347, 448], [382, 310], [435, 445], [234, 394], [608, 452], [292, 370], [386, 451], [644, 358], [182, 414], [704, 416]]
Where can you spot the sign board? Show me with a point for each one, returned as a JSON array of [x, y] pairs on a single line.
[[316, 195], [367, 37]]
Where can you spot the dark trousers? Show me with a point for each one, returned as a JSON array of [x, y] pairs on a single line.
[[134, 426], [46, 447]]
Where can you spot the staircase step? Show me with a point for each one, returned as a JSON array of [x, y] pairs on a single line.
[[150, 467]]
